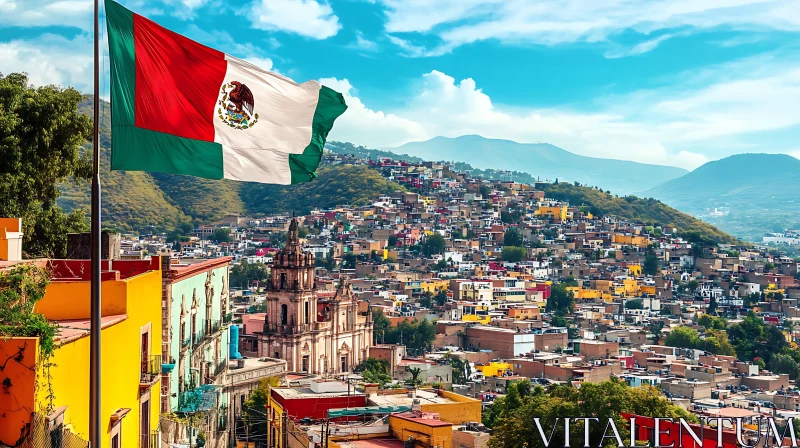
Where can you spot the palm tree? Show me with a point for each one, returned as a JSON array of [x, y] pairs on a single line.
[[415, 373]]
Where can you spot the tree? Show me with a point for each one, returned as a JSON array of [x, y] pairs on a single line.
[[655, 327], [512, 417], [784, 363], [634, 304], [460, 370], [254, 410], [712, 306], [561, 299], [512, 237], [415, 379], [513, 254], [716, 342], [374, 371], [302, 232], [683, 337], [392, 241], [712, 322], [485, 191], [650, 263], [349, 261], [753, 338], [380, 323], [244, 273], [41, 134], [434, 244], [221, 235]]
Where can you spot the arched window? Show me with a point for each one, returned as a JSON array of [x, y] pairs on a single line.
[[283, 280], [308, 310]]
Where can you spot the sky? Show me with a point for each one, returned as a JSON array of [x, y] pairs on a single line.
[[670, 82]]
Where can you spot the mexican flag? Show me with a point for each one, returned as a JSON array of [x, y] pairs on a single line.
[[183, 108]]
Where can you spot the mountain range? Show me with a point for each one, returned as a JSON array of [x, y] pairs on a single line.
[[543, 161], [745, 194]]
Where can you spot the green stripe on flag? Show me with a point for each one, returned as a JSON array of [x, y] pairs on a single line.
[[123, 64], [329, 107], [137, 149]]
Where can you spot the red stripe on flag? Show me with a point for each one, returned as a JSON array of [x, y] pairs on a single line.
[[177, 82]]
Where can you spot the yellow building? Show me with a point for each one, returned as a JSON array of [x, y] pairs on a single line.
[[585, 294], [558, 212], [433, 286], [631, 240], [57, 392], [635, 270], [494, 369]]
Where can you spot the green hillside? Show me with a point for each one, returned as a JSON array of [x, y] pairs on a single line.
[[746, 194], [634, 209], [140, 201], [203, 199], [336, 185]]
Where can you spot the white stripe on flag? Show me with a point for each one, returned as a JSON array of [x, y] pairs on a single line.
[[256, 165], [285, 111]]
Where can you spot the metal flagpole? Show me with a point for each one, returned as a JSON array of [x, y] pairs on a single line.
[[94, 364]]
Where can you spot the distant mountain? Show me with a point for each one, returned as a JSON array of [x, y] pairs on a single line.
[[745, 195], [543, 160]]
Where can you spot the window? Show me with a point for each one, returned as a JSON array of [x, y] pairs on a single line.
[[115, 441], [277, 355], [308, 307], [344, 363], [145, 348], [305, 364], [144, 423], [284, 314]]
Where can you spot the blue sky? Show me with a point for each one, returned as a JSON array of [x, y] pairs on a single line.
[[674, 82]]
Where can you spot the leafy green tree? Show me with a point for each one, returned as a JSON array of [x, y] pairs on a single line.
[[655, 327], [374, 371], [634, 304], [349, 261], [441, 297], [392, 241], [514, 254], [460, 370], [716, 342], [512, 417], [221, 235], [41, 135], [415, 379], [683, 337], [712, 322], [784, 363], [244, 273], [254, 411], [650, 266], [380, 324], [485, 191], [433, 244], [512, 237], [561, 299], [417, 336], [753, 338], [712, 306]]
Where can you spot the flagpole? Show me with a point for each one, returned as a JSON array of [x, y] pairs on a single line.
[[95, 439]]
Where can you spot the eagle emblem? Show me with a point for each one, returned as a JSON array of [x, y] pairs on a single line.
[[236, 105]]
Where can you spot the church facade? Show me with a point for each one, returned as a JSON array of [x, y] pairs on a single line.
[[312, 334]]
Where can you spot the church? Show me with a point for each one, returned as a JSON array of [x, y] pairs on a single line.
[[313, 334]]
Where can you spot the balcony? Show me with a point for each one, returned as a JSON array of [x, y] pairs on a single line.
[[149, 440], [220, 368], [150, 371], [199, 336], [228, 318], [198, 399], [185, 343], [212, 327]]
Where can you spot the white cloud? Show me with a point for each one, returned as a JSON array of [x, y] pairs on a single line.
[[416, 51], [662, 127], [51, 59], [550, 22], [641, 48], [73, 13], [363, 44], [361, 124], [310, 18]]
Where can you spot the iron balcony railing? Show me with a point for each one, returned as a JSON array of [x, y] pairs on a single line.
[[199, 336], [212, 327], [185, 343], [150, 370], [149, 440]]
